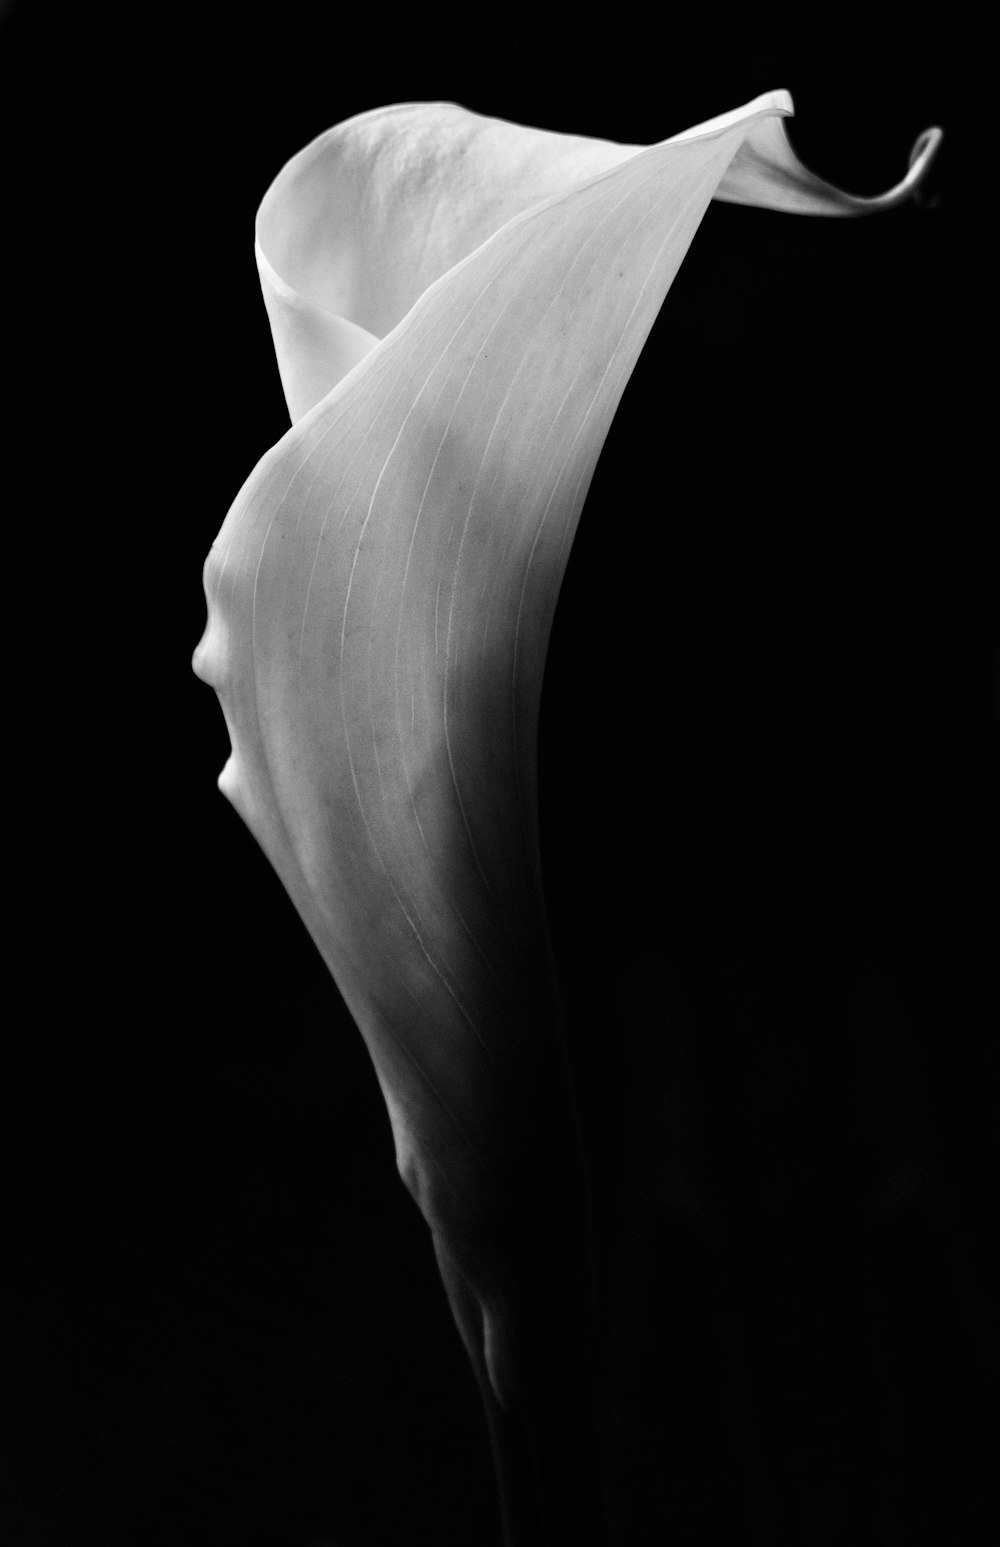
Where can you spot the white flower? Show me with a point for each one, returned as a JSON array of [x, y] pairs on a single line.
[[457, 304]]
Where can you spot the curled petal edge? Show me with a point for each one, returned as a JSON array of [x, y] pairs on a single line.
[[359, 223]]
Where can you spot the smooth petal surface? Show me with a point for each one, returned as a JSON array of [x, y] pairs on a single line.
[[457, 306], [356, 226]]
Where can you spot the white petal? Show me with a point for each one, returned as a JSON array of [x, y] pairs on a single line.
[[355, 227]]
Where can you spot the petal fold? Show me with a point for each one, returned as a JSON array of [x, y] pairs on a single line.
[[363, 220]]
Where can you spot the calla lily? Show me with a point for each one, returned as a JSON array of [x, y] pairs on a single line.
[[456, 304]]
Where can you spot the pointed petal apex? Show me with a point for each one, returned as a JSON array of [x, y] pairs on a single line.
[[767, 173]]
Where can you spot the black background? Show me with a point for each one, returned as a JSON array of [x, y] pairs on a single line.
[[769, 763]]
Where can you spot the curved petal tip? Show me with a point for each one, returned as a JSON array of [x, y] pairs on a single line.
[[766, 172], [925, 148]]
